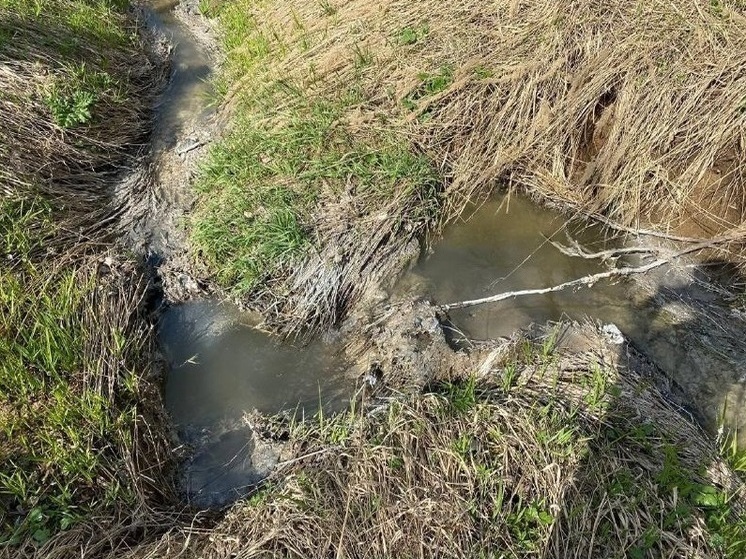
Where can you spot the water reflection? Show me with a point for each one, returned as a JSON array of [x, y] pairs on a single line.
[[189, 86], [503, 247], [683, 327], [221, 368]]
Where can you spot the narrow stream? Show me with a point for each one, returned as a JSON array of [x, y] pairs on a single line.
[[187, 97], [221, 368]]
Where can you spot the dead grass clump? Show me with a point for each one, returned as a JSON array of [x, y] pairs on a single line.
[[77, 90], [627, 109], [553, 452]]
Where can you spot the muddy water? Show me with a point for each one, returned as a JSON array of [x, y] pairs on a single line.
[[503, 247], [686, 329], [220, 368], [187, 97]]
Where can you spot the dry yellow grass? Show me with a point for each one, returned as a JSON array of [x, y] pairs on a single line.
[[636, 110], [553, 452]]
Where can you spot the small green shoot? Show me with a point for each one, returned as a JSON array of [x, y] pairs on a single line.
[[483, 73], [327, 8], [412, 35], [70, 110], [362, 56]]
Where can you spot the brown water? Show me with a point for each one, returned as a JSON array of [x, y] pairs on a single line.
[[220, 368], [687, 330], [503, 247], [187, 96]]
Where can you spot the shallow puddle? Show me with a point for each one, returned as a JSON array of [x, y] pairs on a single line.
[[220, 368], [503, 247]]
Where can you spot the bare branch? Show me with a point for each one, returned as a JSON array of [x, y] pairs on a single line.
[[576, 250], [585, 281]]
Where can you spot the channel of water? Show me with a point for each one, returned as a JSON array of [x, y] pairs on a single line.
[[187, 95], [221, 367], [503, 246]]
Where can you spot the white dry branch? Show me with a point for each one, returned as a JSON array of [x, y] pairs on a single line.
[[576, 250], [591, 279]]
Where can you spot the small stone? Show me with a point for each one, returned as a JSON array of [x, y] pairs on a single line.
[[613, 334], [430, 325]]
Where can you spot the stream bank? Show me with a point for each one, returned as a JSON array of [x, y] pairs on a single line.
[[506, 446], [82, 428], [477, 250]]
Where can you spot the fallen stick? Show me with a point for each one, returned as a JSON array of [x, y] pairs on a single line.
[[191, 147], [578, 251], [735, 233], [585, 281]]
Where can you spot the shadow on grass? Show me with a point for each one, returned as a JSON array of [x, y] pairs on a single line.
[[694, 333], [651, 483]]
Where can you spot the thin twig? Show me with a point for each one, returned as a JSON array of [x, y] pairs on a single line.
[[191, 147], [578, 251], [585, 281]]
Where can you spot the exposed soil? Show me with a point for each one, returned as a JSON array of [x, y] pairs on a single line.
[[180, 139]]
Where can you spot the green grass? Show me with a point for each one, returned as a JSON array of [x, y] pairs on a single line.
[[55, 428], [411, 35], [289, 153], [68, 357], [676, 491], [430, 84], [100, 20], [71, 30], [327, 8], [259, 188]]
